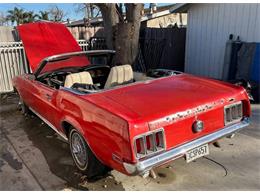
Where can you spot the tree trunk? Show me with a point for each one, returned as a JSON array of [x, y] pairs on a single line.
[[110, 19], [123, 36]]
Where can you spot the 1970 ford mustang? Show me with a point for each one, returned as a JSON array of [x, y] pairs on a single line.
[[115, 118]]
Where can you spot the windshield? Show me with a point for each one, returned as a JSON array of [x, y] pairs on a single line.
[[74, 59]]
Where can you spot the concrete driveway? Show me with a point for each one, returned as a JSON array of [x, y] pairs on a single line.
[[33, 157]]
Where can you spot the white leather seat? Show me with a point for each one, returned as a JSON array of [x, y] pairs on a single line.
[[119, 75], [81, 77]]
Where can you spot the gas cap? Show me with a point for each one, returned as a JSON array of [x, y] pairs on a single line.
[[197, 126]]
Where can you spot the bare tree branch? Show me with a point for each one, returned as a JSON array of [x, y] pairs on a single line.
[[56, 14]]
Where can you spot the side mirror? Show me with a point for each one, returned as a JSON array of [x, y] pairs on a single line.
[[31, 77]]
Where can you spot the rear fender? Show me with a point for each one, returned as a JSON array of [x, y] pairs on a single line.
[[74, 123]]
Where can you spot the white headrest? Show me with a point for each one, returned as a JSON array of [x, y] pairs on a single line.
[[119, 75], [81, 77]]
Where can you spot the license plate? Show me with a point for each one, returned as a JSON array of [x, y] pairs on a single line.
[[197, 153]]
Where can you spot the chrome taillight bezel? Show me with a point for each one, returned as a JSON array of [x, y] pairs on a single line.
[[228, 108], [154, 149]]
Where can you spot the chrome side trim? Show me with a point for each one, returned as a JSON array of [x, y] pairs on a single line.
[[78, 92], [49, 124], [72, 91], [145, 165]]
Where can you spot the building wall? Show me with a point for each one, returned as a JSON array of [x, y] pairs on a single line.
[[208, 29], [8, 34], [86, 32], [167, 20]]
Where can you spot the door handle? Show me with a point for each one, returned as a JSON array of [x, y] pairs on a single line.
[[48, 96]]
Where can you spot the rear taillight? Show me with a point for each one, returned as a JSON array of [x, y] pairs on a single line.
[[159, 138], [233, 113], [149, 143], [140, 146]]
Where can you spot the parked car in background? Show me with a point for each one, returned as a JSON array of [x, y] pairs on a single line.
[[113, 117]]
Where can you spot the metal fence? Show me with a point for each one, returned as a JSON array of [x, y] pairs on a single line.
[[13, 62], [163, 47], [84, 44]]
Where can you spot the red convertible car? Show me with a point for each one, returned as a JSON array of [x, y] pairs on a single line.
[[115, 118]]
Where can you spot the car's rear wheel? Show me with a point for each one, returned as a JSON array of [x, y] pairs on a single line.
[[83, 157]]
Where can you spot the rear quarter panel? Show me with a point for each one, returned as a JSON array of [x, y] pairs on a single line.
[[105, 133]]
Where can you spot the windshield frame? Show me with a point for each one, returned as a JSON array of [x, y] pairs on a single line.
[[63, 56]]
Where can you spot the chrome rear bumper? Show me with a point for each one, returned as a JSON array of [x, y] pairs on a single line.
[[143, 166]]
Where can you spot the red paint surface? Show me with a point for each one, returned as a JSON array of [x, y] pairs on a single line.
[[44, 39], [110, 120]]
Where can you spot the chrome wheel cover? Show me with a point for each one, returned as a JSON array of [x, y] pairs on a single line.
[[79, 150]]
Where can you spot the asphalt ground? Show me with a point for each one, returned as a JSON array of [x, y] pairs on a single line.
[[34, 157]]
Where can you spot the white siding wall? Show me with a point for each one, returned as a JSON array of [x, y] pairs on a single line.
[[7, 34], [208, 29]]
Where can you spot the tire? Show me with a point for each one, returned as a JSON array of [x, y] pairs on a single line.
[[23, 107], [83, 157]]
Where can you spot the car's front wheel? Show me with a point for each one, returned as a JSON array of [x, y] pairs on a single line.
[[83, 157], [23, 107]]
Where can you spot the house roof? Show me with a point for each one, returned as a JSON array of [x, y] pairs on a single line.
[[82, 22], [165, 10], [180, 8], [158, 8]]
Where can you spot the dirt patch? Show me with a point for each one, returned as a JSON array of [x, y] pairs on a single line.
[[165, 175]]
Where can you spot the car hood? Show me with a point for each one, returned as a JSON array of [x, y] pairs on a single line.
[[44, 39], [156, 98]]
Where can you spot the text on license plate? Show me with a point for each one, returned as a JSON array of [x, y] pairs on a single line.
[[197, 153]]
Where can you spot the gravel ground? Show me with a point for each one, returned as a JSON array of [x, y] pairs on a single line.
[[33, 157]]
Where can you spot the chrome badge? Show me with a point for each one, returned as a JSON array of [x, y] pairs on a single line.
[[197, 126]]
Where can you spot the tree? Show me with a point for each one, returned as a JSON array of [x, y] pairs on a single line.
[[43, 15], [19, 16], [122, 26], [30, 17], [56, 14], [16, 15], [90, 10]]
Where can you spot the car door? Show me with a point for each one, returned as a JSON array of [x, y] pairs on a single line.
[[42, 101]]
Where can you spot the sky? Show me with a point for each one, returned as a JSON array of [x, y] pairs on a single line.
[[69, 8]]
